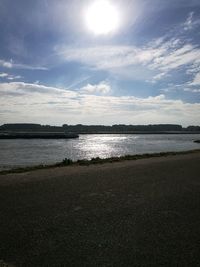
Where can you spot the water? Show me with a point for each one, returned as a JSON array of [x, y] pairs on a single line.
[[22, 152]]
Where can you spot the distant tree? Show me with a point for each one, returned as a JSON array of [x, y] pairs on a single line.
[[80, 128]]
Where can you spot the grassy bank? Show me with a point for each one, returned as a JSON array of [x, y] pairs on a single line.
[[97, 160]]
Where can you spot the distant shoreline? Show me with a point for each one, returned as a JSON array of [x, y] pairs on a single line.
[[100, 129], [143, 132], [63, 135], [37, 135]]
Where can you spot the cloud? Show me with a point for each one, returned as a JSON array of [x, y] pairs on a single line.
[[194, 68], [183, 56], [109, 57], [158, 77], [5, 64], [9, 77], [152, 60], [191, 22], [184, 87], [3, 75], [44, 104], [14, 77], [11, 65], [192, 90], [78, 82], [196, 80], [22, 88], [173, 51], [101, 88]]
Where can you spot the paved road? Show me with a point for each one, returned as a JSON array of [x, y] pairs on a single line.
[[134, 213]]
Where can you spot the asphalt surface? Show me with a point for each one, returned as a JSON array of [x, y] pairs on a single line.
[[133, 213]]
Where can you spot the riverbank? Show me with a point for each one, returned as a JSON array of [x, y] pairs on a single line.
[[37, 135], [98, 160], [129, 213]]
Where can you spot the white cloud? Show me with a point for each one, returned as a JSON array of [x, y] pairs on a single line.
[[192, 90], [183, 56], [3, 75], [6, 64], [158, 77], [194, 68], [196, 80], [22, 88], [109, 57], [43, 104], [9, 77], [184, 87], [191, 22], [10, 64], [161, 56], [101, 88], [14, 77]]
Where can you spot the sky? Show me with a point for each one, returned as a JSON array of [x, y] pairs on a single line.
[[56, 68]]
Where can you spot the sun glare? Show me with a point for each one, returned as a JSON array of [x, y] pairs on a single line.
[[102, 17]]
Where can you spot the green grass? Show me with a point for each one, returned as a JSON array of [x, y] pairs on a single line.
[[97, 160]]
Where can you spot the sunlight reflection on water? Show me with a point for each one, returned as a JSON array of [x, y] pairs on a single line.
[[22, 152]]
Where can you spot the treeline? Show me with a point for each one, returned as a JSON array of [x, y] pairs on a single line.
[[29, 127], [79, 128], [122, 128]]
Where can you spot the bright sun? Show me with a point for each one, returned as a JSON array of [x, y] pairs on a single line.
[[102, 17]]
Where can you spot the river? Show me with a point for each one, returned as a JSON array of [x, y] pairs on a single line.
[[22, 152]]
